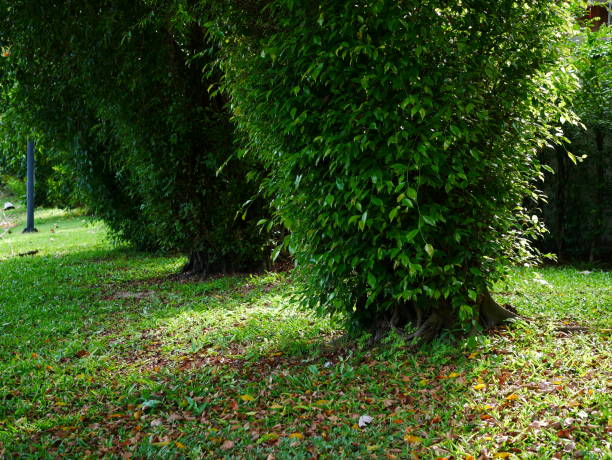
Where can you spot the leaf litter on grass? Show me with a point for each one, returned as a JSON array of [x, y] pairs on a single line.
[[216, 368]]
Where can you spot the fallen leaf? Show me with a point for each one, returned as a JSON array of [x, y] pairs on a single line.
[[412, 439], [161, 443], [480, 386], [364, 420], [180, 445], [150, 404], [472, 355], [512, 397], [227, 445], [247, 398], [81, 353], [268, 437], [296, 436], [453, 375], [502, 455]]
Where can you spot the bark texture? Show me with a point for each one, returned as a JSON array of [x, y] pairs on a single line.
[[430, 323]]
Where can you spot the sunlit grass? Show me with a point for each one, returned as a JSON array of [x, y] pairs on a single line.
[[233, 368]]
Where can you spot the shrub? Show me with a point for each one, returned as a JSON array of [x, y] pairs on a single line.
[[402, 139], [153, 148]]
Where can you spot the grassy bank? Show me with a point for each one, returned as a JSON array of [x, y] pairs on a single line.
[[103, 352]]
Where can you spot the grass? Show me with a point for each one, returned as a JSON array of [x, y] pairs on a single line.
[[103, 353]]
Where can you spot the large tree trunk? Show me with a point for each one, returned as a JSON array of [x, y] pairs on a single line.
[[428, 324]]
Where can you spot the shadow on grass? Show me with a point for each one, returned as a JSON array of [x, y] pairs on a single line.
[[230, 367]]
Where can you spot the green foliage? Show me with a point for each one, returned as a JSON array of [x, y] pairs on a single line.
[[402, 139], [579, 210], [151, 148]]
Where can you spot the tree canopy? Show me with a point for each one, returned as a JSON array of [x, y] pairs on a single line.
[[402, 139], [121, 87]]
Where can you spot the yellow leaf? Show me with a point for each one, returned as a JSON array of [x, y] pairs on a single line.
[[502, 455], [276, 406], [247, 398], [480, 386], [59, 403], [424, 381], [472, 355], [486, 407], [161, 443], [610, 421], [469, 457], [453, 375], [412, 439], [322, 402], [557, 382], [512, 397], [296, 436], [180, 445], [137, 414], [372, 447], [355, 426]]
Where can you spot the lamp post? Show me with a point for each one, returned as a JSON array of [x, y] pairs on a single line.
[[30, 189]]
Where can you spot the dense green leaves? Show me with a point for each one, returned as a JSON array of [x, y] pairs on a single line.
[[580, 195], [121, 87], [402, 139]]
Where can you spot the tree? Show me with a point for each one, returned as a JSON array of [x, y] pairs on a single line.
[[585, 190], [120, 85], [402, 140]]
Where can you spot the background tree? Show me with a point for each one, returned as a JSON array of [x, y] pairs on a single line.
[[579, 211], [402, 139], [120, 85]]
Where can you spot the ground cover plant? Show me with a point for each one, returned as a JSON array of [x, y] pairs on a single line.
[[105, 353]]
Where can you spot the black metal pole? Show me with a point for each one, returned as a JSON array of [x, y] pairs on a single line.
[[30, 189]]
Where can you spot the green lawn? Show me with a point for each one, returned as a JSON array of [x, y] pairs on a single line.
[[103, 353]]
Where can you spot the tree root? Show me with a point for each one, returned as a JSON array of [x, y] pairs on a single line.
[[428, 324], [491, 313]]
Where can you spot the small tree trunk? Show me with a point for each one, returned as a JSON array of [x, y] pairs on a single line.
[[197, 264]]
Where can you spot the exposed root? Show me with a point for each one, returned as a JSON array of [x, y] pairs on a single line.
[[491, 313], [428, 329], [572, 329], [430, 322]]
